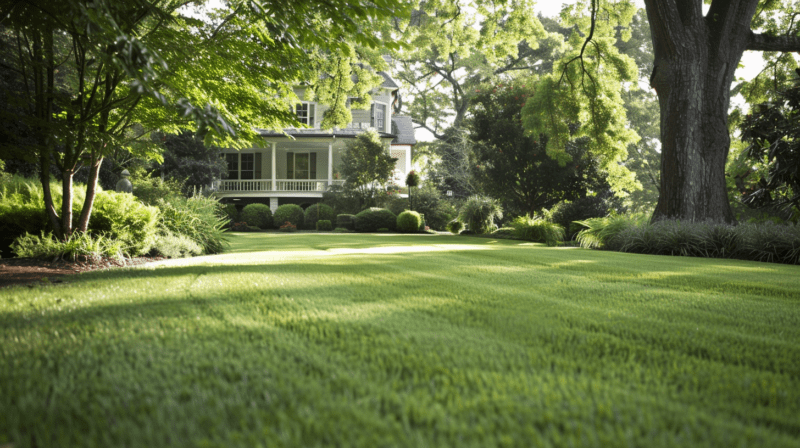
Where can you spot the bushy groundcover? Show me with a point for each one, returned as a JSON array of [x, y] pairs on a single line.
[[405, 340]]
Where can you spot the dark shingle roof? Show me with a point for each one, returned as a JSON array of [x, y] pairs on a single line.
[[404, 129], [388, 82]]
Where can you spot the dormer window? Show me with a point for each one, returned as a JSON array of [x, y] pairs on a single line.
[[305, 113], [379, 116]]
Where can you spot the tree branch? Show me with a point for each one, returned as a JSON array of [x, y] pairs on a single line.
[[424, 126], [763, 42]]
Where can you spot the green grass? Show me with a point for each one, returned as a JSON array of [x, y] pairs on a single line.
[[303, 340]]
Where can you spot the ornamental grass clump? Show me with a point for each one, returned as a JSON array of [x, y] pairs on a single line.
[[78, 247], [292, 213], [409, 222], [172, 245], [598, 233], [199, 218], [537, 230], [480, 213], [257, 215]]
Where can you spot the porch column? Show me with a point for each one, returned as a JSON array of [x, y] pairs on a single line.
[[274, 184], [408, 161], [330, 163]]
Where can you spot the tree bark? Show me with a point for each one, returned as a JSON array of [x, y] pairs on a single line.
[[91, 192], [695, 60]]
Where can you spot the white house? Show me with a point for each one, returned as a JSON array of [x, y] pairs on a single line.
[[300, 168]]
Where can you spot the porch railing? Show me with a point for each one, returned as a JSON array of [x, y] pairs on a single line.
[[265, 185]]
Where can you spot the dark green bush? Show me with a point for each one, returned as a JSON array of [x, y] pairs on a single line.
[[345, 221], [317, 212], [566, 213], [538, 230], [288, 212], [372, 219], [257, 215], [437, 212], [455, 227], [324, 224], [232, 213]]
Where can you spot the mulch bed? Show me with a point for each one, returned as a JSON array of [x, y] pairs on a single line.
[[29, 271]]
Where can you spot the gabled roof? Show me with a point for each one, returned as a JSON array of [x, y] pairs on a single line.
[[404, 129], [388, 82]]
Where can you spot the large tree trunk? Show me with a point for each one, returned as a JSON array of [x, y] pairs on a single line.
[[91, 192], [693, 92], [695, 61]]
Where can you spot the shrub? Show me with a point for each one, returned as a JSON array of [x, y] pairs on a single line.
[[257, 215], [317, 212], [242, 227], [79, 246], [455, 227], [232, 213], [173, 245], [151, 189], [480, 212], [122, 217], [409, 222], [372, 219], [287, 227], [437, 211], [342, 230], [324, 224], [345, 221], [566, 213], [599, 232], [199, 218], [538, 230], [292, 213], [508, 233]]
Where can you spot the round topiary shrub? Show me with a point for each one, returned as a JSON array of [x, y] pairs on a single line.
[[257, 215], [372, 219], [324, 224], [292, 213], [316, 213], [345, 221], [409, 222], [455, 227]]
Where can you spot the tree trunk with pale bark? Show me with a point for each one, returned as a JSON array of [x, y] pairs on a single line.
[[695, 60]]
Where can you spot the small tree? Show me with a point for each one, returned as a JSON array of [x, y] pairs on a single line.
[[412, 181], [367, 166]]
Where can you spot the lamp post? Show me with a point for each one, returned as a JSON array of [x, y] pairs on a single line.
[[124, 185]]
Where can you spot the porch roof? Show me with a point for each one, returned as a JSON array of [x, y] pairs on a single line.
[[320, 133]]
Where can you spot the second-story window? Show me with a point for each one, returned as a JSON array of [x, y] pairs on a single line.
[[305, 113], [379, 116]]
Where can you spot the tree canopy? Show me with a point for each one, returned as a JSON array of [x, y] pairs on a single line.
[[92, 75]]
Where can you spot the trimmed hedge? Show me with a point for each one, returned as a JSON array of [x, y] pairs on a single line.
[[324, 224], [372, 219], [317, 212], [257, 215], [345, 221], [409, 222], [292, 213]]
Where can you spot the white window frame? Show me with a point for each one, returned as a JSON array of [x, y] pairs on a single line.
[[374, 118], [311, 113]]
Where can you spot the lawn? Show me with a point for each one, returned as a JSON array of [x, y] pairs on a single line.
[[304, 340]]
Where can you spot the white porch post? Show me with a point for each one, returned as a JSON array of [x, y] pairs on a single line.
[[274, 183], [408, 161], [330, 163]]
